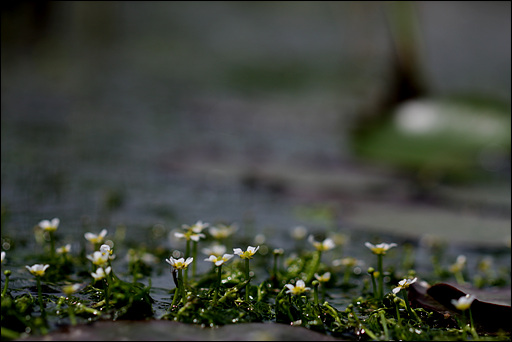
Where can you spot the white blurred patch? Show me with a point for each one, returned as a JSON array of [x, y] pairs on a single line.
[[417, 117], [421, 117]]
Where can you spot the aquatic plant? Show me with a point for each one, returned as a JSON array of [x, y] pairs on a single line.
[[218, 262], [330, 296], [192, 234], [246, 255], [178, 266], [320, 246], [380, 250]]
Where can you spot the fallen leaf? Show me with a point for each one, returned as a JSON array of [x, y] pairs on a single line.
[[489, 317]]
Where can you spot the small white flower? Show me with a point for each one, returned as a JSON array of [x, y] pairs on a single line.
[[93, 238], [100, 273], [64, 249], [299, 232], [299, 288], [222, 231], [50, 226], [339, 239], [180, 263], [190, 235], [219, 260], [259, 239], [248, 254], [325, 245], [347, 262], [278, 251], [403, 284], [464, 302], [381, 248], [196, 227], [3, 256], [216, 250], [38, 269], [324, 277], [459, 264], [149, 258], [106, 250], [98, 258]]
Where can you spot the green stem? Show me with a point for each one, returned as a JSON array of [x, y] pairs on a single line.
[[71, 313], [459, 278], [290, 316], [374, 284], [175, 297], [473, 330], [107, 295], [135, 270], [276, 256], [187, 254], [247, 287], [346, 275], [194, 254], [314, 269], [411, 312], [398, 318], [315, 292], [7, 274], [381, 276], [40, 297], [463, 325], [52, 247], [218, 285], [181, 284], [333, 313], [384, 325]]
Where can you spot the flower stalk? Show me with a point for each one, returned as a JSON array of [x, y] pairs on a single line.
[[320, 247], [7, 274], [247, 255], [380, 250], [179, 265], [40, 297], [50, 226], [218, 261], [38, 270]]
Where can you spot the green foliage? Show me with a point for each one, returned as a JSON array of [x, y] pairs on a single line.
[[361, 315]]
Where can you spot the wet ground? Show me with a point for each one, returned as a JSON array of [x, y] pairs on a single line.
[[150, 116]]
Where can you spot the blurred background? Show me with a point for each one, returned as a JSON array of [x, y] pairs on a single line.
[[361, 117]]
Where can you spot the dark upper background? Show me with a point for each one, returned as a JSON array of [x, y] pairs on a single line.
[[163, 113]]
